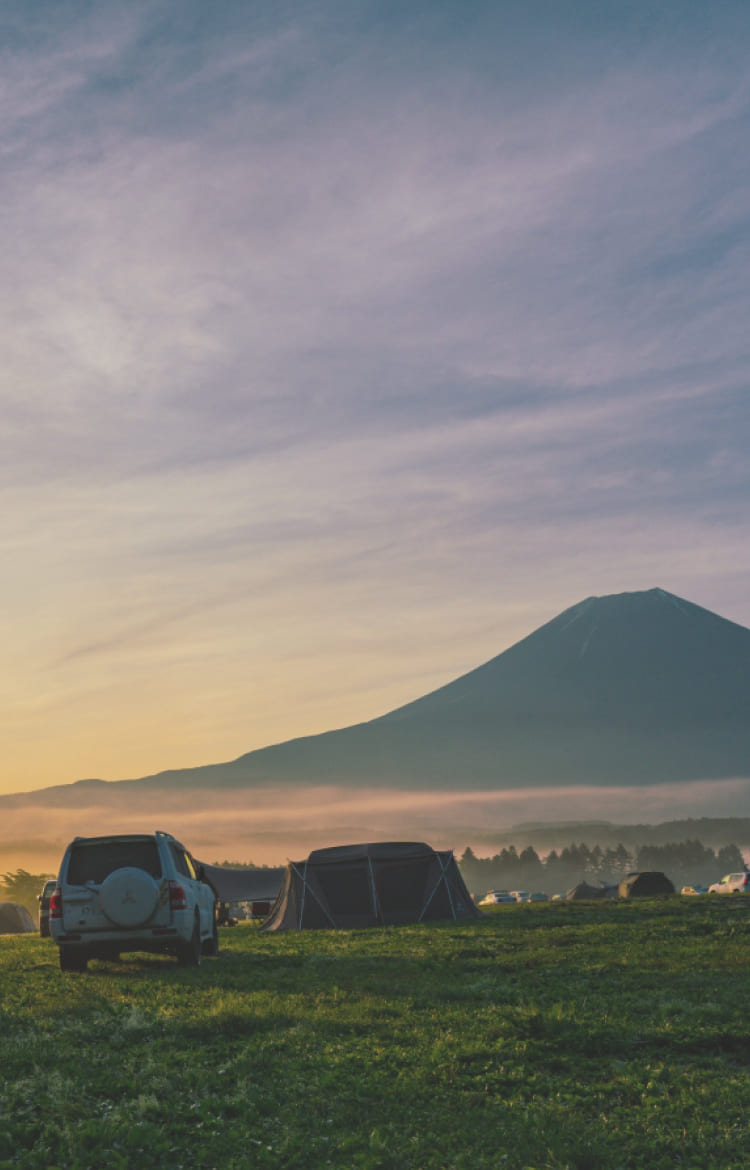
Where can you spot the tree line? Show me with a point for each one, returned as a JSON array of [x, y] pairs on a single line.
[[685, 863], [23, 887]]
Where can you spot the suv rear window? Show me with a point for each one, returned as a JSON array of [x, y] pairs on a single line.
[[181, 861], [94, 861]]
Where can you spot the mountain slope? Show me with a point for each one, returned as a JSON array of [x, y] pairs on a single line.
[[631, 688], [628, 688]]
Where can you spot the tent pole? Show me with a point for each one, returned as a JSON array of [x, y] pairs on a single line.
[[426, 906], [305, 887], [448, 886], [303, 877], [375, 902], [442, 878]]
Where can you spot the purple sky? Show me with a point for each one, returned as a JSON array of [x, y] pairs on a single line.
[[346, 344]]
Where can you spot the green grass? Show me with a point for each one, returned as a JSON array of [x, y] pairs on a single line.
[[545, 1036]]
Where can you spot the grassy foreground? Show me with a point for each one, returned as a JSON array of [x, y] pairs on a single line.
[[544, 1036]]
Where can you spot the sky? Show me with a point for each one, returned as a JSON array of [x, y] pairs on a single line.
[[346, 344]]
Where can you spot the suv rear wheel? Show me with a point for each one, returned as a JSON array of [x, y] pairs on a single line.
[[211, 945], [73, 959], [189, 953]]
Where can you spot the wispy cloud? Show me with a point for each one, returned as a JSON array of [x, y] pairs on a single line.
[[396, 329]]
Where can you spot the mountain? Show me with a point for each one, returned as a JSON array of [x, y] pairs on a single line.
[[631, 688]]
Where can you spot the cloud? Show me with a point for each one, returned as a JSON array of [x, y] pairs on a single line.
[[371, 336]]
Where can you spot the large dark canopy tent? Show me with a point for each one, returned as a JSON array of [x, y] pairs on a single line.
[[379, 884]]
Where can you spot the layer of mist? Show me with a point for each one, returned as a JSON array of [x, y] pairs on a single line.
[[270, 826]]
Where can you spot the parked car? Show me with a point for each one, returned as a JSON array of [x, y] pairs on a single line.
[[694, 891], [537, 897], [732, 883], [48, 890], [520, 895], [496, 898], [131, 892]]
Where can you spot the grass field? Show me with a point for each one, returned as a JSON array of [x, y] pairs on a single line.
[[546, 1036]]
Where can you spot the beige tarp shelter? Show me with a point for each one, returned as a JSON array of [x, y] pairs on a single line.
[[377, 884], [15, 919], [645, 885], [232, 884]]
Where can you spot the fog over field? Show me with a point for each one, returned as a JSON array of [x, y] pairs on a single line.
[[271, 826]]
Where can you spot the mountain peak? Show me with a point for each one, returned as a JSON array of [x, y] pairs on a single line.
[[633, 597], [614, 686], [634, 605]]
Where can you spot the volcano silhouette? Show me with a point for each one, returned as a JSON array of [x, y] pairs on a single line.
[[631, 688]]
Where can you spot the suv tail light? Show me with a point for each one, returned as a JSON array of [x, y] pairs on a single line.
[[55, 904], [177, 899]]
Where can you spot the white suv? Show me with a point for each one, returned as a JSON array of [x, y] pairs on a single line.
[[132, 892], [733, 883]]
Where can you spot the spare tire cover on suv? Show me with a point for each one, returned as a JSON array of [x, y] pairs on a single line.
[[129, 896]]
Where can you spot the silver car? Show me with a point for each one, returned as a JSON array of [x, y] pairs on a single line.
[[732, 883], [131, 892], [496, 898]]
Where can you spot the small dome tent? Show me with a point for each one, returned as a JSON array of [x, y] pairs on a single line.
[[15, 919], [645, 885], [583, 892], [377, 884]]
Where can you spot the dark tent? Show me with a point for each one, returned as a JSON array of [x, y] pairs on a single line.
[[645, 885], [583, 892], [378, 884], [15, 919], [244, 885]]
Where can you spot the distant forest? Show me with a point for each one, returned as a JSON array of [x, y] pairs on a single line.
[[686, 863], [713, 831]]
